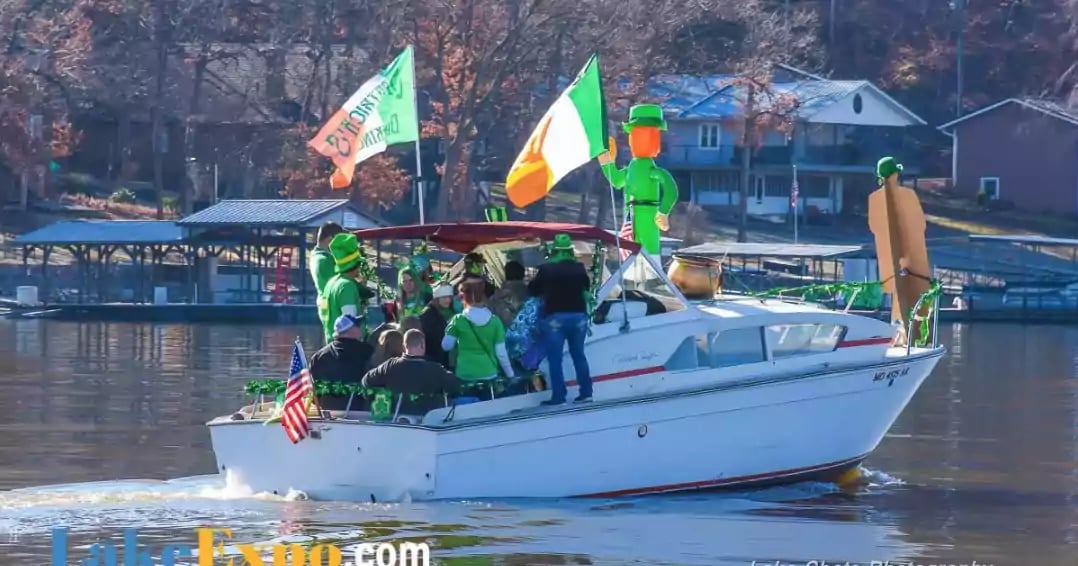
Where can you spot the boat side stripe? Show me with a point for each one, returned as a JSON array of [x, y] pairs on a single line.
[[622, 374], [726, 481], [865, 342]]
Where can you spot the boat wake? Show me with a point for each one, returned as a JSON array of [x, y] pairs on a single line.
[[879, 478], [210, 487], [133, 491]]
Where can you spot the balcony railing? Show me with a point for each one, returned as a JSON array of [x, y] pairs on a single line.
[[848, 155], [681, 156]]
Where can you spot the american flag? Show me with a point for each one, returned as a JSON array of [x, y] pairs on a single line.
[[793, 193], [626, 233], [294, 417]]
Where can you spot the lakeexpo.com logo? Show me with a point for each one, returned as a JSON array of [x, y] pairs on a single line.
[[212, 549]]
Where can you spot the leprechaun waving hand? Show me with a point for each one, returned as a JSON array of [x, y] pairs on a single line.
[[650, 190]]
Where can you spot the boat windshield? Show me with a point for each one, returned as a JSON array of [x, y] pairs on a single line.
[[642, 284]]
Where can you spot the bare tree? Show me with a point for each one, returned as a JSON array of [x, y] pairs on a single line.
[[763, 37]]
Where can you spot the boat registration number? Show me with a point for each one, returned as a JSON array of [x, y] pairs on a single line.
[[891, 375]]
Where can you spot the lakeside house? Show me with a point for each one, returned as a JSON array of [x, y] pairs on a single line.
[[840, 128], [1020, 152]]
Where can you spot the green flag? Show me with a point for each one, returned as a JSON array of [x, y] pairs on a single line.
[[380, 114]]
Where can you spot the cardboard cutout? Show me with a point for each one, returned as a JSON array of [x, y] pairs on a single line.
[[898, 224]]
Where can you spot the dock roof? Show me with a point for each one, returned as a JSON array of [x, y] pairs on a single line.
[[1028, 239], [756, 249], [104, 232], [279, 213]]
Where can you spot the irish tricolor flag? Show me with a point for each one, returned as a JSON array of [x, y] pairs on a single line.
[[571, 133], [380, 114]]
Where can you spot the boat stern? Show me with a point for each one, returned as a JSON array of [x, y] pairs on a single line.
[[340, 460]]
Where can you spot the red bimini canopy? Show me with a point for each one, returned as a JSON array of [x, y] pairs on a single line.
[[465, 237]]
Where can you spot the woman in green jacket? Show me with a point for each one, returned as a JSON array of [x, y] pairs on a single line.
[[477, 336]]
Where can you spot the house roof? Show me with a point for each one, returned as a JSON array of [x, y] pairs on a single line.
[[705, 97], [101, 232], [1028, 239], [754, 249], [264, 212], [1047, 107]]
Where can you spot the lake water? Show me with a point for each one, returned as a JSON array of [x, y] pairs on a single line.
[[102, 427]]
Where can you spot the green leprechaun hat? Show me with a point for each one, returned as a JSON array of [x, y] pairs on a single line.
[[886, 167], [561, 247], [645, 115], [346, 254]]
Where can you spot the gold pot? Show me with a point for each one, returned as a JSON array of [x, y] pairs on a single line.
[[698, 277]]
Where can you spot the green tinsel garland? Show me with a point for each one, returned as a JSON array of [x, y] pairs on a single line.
[[596, 276], [820, 290], [929, 300], [274, 387]]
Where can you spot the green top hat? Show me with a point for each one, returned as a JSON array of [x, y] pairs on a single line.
[[474, 262], [346, 254], [562, 245], [886, 167], [645, 115]]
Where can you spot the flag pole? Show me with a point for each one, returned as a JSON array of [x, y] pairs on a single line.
[[797, 201], [613, 205], [418, 136]]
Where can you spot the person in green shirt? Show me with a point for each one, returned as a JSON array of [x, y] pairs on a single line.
[[477, 336], [347, 291], [321, 262]]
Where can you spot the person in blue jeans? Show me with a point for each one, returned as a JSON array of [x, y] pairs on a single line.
[[563, 285]]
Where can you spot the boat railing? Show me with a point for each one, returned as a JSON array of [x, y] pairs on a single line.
[[929, 302], [385, 405]]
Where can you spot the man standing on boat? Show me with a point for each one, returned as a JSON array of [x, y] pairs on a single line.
[[321, 263], [563, 284], [346, 292]]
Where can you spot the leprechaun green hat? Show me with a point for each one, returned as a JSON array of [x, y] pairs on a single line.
[[346, 253], [562, 246], [645, 115], [886, 167]]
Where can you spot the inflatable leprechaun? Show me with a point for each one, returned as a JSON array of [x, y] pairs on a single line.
[[650, 190]]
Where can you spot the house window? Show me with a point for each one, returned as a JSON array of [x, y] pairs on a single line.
[[709, 136], [788, 340], [736, 347], [778, 185], [812, 186], [990, 187], [716, 181]]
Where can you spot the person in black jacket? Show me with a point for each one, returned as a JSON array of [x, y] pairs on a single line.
[[433, 320], [411, 374], [345, 359], [563, 284]]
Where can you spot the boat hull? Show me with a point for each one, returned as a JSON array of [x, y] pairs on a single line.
[[774, 430]]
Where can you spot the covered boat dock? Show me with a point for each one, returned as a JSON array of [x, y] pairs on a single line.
[[757, 264], [236, 252]]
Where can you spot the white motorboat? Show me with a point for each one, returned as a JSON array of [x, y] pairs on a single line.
[[731, 391]]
